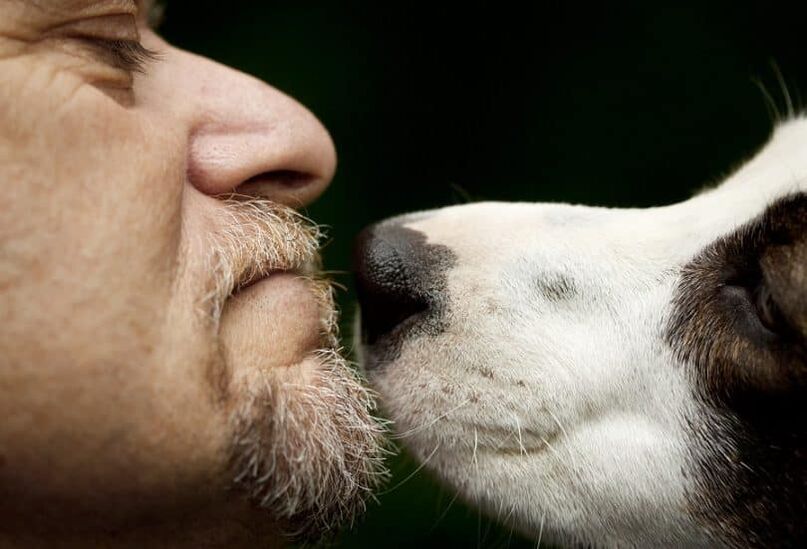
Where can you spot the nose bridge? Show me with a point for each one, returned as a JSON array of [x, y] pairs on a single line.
[[246, 136], [672, 235], [561, 234]]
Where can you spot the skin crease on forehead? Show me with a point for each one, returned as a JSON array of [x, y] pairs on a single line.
[[110, 419]]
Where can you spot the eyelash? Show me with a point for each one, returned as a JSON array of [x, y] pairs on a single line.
[[128, 55], [131, 56]]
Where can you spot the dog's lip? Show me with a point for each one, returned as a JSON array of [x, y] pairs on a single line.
[[497, 439], [396, 334], [517, 451], [530, 440]]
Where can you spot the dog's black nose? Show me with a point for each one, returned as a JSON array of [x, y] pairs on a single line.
[[388, 281]]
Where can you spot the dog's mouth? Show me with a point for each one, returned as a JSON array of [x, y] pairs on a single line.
[[386, 314]]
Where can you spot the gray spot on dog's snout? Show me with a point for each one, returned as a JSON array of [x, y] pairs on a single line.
[[402, 287], [556, 287]]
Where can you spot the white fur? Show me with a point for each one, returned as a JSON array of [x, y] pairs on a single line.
[[568, 416]]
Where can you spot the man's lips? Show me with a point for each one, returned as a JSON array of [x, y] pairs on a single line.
[[273, 322], [308, 268], [257, 279]]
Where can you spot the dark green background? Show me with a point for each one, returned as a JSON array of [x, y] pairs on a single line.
[[618, 104]]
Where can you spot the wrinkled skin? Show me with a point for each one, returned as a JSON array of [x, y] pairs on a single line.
[[118, 376]]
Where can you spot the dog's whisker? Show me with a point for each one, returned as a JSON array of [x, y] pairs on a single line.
[[521, 447], [770, 104], [507, 520], [572, 456], [445, 512], [540, 531], [425, 426], [499, 509], [791, 111], [479, 528], [462, 193], [552, 449], [474, 459], [488, 525], [411, 475]]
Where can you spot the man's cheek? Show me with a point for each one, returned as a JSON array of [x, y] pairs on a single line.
[[94, 189], [92, 213], [126, 197]]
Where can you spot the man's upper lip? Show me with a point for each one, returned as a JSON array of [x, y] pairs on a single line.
[[306, 269], [251, 281]]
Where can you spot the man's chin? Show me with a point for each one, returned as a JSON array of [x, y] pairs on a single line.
[[307, 448]]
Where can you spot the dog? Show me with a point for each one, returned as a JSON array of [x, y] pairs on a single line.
[[606, 377]]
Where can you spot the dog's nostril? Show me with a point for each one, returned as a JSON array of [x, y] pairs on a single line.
[[386, 281]]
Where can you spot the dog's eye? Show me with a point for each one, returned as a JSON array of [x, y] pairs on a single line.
[[767, 310], [750, 292]]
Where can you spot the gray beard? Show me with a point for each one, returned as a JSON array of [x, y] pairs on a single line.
[[310, 454]]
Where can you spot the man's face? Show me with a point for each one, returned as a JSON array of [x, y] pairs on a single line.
[[164, 335]]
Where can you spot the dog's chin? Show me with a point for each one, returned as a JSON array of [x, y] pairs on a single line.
[[399, 366], [449, 445], [450, 425], [386, 350]]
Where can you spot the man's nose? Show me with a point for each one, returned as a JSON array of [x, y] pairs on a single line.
[[249, 138]]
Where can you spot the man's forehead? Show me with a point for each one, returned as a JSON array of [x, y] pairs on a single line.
[[83, 4], [89, 8]]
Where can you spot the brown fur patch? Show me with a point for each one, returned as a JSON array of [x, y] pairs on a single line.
[[739, 325]]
